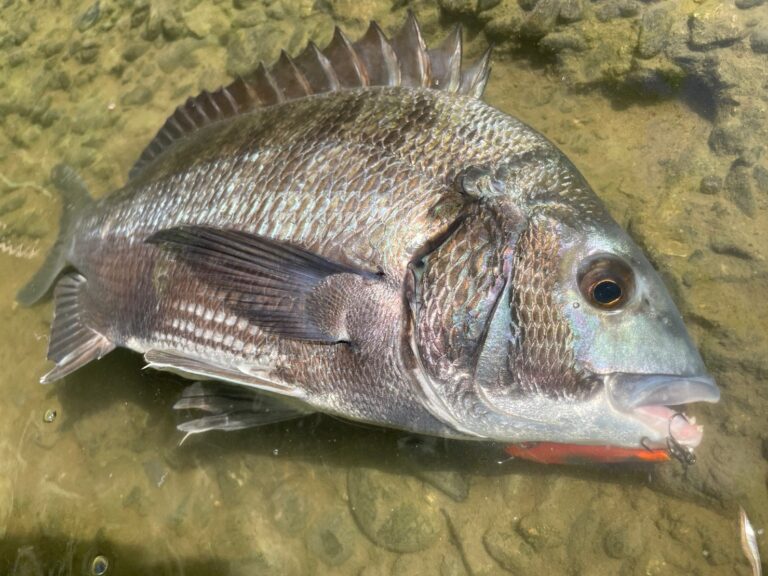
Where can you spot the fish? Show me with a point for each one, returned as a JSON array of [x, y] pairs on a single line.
[[749, 543], [354, 231]]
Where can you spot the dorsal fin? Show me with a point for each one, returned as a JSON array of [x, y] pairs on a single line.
[[374, 60]]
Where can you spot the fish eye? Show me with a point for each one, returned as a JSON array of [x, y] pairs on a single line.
[[606, 293], [606, 282]]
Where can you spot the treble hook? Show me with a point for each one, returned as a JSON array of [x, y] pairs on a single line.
[[683, 454]]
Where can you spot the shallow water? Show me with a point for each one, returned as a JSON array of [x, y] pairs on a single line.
[[673, 142]]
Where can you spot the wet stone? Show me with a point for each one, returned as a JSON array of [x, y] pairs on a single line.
[[59, 80], [728, 248], [289, 507], [178, 56], [205, 21], [571, 10], [140, 14], [392, 511], [451, 565], [746, 4], [738, 185], [711, 185], [654, 31], [332, 537], [728, 138], [464, 7], [16, 58], [539, 532], [85, 52], [542, 18], [135, 51], [760, 174], [759, 41], [624, 542], [483, 5], [251, 45], [560, 41], [505, 545], [137, 97], [88, 18], [251, 17], [172, 25], [453, 484], [714, 29], [54, 44], [617, 9]]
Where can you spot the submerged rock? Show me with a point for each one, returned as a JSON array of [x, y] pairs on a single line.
[[290, 507], [738, 185], [332, 537], [542, 18], [714, 29], [654, 31], [624, 541], [746, 4], [759, 41], [88, 18], [711, 185], [392, 510], [506, 546]]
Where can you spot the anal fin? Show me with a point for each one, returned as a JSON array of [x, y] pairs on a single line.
[[73, 344], [231, 408]]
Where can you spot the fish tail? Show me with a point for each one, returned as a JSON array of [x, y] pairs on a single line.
[[75, 199]]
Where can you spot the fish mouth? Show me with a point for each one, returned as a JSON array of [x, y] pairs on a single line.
[[650, 398]]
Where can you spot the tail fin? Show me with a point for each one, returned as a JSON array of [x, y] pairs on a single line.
[[75, 198]]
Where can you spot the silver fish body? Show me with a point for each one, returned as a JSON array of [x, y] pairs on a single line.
[[399, 254]]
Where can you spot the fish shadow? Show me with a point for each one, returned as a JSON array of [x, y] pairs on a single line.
[[317, 440]]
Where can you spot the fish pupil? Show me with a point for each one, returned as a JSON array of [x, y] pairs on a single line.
[[607, 292]]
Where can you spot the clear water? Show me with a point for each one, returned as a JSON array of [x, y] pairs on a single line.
[[106, 486]]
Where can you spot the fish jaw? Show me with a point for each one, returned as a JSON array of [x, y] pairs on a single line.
[[670, 424]]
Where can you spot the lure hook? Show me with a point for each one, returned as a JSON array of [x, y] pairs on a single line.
[[683, 454]]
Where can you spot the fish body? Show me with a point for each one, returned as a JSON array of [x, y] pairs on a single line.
[[358, 233]]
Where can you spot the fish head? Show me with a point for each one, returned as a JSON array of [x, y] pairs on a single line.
[[596, 350], [556, 328]]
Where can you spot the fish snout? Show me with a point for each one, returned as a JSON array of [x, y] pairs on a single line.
[[632, 391]]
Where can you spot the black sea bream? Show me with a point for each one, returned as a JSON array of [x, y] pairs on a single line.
[[355, 232]]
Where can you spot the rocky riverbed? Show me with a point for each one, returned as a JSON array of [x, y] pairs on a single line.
[[661, 104]]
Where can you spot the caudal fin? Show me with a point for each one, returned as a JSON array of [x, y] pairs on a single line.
[[75, 198]]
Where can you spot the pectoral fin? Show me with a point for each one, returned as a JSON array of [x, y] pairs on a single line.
[[283, 289]]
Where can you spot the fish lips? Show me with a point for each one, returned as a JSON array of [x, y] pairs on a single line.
[[632, 391]]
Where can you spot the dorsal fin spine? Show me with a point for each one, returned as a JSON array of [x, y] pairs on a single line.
[[333, 79], [287, 66], [374, 60], [412, 54], [341, 55]]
